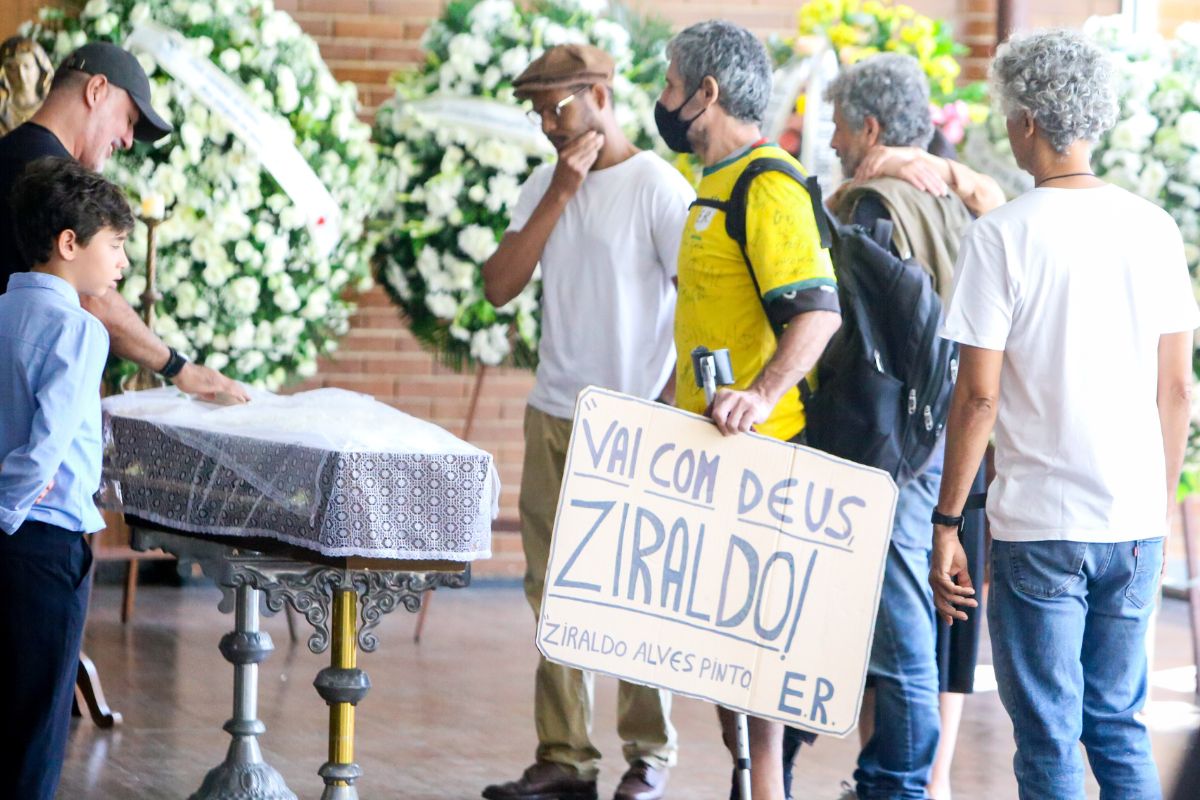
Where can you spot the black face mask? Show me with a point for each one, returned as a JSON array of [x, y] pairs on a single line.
[[672, 127]]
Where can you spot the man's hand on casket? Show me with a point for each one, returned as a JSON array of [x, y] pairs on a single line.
[[208, 384]]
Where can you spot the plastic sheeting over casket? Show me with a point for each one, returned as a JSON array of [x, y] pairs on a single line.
[[329, 470]]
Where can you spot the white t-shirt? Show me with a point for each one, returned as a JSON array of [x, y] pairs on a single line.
[[1075, 286], [608, 304]]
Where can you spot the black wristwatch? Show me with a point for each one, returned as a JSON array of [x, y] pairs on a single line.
[[939, 518], [174, 364]]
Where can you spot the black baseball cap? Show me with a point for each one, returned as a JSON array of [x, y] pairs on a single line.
[[122, 69]]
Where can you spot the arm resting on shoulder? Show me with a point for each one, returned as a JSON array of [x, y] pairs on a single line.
[[930, 173]]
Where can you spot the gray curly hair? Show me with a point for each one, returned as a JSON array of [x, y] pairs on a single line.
[[1062, 80], [735, 59], [892, 88]]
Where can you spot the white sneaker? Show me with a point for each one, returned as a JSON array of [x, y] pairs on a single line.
[[848, 792]]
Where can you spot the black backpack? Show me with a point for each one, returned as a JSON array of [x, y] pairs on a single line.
[[884, 382]]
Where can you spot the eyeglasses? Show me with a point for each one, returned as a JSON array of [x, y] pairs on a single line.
[[536, 115]]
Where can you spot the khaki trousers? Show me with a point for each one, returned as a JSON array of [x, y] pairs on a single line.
[[564, 697]]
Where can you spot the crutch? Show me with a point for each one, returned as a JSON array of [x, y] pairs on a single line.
[[712, 368]]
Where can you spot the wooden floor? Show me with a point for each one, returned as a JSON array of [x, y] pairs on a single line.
[[448, 716]]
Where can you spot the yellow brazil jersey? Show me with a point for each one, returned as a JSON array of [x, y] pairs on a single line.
[[718, 305]]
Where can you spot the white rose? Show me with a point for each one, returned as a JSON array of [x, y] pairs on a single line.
[[200, 13], [231, 60], [1193, 169], [139, 14], [250, 362], [461, 274], [287, 299], [477, 243], [287, 94], [106, 25], [217, 361], [428, 262], [241, 294], [132, 288], [490, 345], [263, 336], [215, 274], [322, 108], [94, 9], [1152, 179], [441, 305], [192, 137], [185, 295], [477, 194], [502, 192], [1188, 127], [452, 159], [306, 368], [292, 218], [317, 305], [242, 337], [201, 335], [468, 48], [276, 253], [63, 44], [513, 62]]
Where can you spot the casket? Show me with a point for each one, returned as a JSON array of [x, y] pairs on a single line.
[[327, 470]]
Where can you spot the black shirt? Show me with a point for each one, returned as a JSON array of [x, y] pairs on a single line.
[[22, 145]]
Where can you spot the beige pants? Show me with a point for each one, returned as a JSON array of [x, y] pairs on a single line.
[[563, 697]]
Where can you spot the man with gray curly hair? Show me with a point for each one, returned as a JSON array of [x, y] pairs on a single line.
[[883, 101], [735, 294], [1069, 287]]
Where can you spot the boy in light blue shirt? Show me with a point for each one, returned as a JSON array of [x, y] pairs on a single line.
[[71, 224]]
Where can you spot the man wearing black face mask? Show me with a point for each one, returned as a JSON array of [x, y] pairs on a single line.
[[718, 84], [604, 223]]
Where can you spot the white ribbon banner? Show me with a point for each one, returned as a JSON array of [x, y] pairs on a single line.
[[488, 118], [267, 138]]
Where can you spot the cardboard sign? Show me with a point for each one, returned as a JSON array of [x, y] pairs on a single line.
[[740, 570]]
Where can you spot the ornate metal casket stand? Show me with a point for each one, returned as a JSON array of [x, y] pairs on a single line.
[[343, 600]]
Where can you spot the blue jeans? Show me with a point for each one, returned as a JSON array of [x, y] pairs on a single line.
[[1068, 623], [895, 763]]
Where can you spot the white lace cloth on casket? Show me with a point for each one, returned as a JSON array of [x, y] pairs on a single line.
[[329, 470]]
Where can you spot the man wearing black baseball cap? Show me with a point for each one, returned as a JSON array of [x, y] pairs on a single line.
[[99, 102]]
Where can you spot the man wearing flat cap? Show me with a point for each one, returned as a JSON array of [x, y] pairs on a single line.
[[605, 223], [99, 102]]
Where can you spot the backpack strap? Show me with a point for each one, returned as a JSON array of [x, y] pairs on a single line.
[[735, 223], [736, 206]]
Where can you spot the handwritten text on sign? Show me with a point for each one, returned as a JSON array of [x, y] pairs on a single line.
[[740, 570]]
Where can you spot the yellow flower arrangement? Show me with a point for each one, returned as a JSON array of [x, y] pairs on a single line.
[[860, 28]]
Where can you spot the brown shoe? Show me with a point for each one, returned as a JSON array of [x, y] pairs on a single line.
[[544, 781], [642, 781]]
